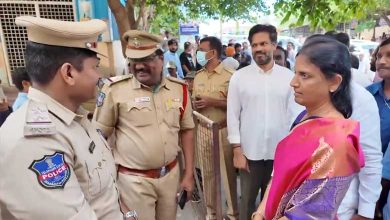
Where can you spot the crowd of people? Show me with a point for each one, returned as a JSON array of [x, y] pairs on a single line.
[[296, 124]]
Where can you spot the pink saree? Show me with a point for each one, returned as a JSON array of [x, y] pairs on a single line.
[[313, 168]]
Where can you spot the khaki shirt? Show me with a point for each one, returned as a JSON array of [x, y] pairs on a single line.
[[146, 121], [55, 165], [214, 84]]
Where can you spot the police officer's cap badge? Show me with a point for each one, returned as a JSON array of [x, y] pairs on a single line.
[[52, 171], [136, 43]]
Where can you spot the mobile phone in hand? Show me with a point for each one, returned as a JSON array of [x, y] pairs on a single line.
[[182, 199]]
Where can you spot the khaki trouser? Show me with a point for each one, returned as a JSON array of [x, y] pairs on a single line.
[[152, 199], [228, 174]]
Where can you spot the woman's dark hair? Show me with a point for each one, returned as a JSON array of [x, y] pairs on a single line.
[[43, 61], [332, 57]]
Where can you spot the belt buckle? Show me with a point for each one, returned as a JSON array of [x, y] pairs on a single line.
[[163, 171]]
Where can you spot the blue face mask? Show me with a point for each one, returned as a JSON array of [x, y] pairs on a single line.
[[201, 58]]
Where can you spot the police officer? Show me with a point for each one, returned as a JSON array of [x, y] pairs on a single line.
[[210, 94], [53, 162], [148, 114]]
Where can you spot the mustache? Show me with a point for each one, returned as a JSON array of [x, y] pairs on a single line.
[[139, 70], [260, 53], [382, 67]]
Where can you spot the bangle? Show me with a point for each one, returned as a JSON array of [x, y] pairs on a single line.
[[236, 145], [257, 213]]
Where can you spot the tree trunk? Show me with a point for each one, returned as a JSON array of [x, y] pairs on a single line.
[[130, 8], [121, 17], [149, 17]]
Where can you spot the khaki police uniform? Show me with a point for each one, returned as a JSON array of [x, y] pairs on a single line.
[[54, 164], [146, 123], [215, 84]]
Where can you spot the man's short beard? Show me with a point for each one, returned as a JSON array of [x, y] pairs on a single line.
[[267, 60]]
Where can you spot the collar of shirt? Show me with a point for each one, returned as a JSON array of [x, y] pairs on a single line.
[[377, 88], [22, 95], [138, 85], [55, 107], [217, 70], [260, 70]]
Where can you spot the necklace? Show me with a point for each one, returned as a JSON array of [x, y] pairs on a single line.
[[387, 104]]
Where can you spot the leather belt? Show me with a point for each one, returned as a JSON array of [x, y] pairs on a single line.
[[152, 173]]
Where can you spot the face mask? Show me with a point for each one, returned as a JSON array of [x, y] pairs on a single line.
[[201, 58]]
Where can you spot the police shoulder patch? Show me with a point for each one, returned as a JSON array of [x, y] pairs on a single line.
[[229, 70], [52, 171], [100, 99], [176, 80], [121, 78]]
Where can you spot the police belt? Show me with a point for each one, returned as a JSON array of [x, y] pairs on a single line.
[[152, 173]]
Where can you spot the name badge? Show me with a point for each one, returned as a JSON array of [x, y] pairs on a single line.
[[142, 99]]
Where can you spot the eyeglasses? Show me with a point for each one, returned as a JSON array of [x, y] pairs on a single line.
[[147, 59]]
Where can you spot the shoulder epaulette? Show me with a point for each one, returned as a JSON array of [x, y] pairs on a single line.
[[228, 70], [199, 71], [38, 121], [116, 79], [176, 80]]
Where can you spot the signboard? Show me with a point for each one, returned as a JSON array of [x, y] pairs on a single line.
[[188, 29]]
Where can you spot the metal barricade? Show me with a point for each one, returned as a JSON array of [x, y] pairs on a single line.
[[207, 160]]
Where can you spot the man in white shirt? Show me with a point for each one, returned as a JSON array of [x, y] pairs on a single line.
[[360, 200], [260, 110]]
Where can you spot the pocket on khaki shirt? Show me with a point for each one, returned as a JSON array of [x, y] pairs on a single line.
[[173, 114], [99, 177], [140, 114]]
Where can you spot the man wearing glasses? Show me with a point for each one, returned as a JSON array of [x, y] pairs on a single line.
[[149, 115]]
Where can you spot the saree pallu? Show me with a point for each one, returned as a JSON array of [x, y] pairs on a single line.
[[313, 168]]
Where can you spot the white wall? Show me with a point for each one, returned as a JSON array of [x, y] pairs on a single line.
[[119, 60]]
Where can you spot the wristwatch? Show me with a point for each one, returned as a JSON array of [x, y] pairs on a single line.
[[131, 215]]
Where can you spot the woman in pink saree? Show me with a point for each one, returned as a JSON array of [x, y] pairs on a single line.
[[315, 164]]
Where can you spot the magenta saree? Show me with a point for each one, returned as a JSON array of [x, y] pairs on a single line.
[[313, 168]]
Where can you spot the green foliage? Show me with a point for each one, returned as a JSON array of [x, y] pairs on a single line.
[[168, 14], [324, 13], [226, 9], [167, 20], [365, 25]]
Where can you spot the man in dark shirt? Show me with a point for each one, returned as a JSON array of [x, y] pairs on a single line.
[[186, 59]]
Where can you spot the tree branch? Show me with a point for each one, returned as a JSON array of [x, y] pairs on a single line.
[[149, 17], [141, 12], [120, 14], [130, 6]]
